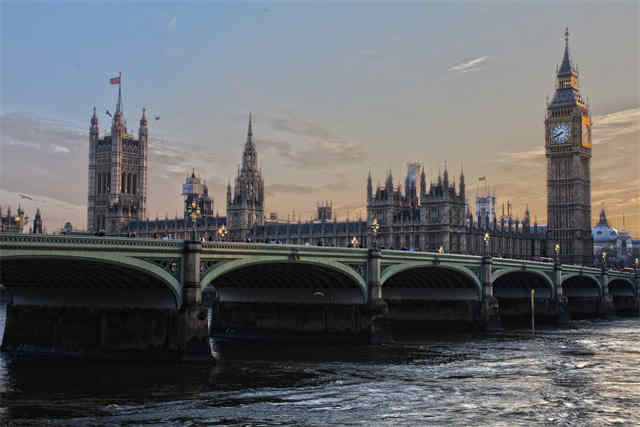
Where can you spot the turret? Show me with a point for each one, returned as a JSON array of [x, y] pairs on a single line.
[[462, 186], [228, 193], [389, 183], [143, 130], [423, 184], [445, 179], [369, 187]]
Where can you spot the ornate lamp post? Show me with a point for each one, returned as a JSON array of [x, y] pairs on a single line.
[[485, 248], [441, 250], [604, 261], [374, 227], [636, 264], [193, 210], [223, 232], [556, 251], [354, 242]]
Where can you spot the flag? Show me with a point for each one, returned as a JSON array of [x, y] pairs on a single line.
[[482, 178], [115, 80]]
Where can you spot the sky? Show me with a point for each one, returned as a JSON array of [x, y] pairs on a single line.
[[336, 90]]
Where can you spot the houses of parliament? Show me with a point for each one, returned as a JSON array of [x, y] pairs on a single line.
[[418, 215]]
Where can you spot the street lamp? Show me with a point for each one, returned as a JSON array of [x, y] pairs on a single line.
[[222, 232], [374, 227], [354, 242], [486, 239], [604, 259], [193, 210], [636, 265]]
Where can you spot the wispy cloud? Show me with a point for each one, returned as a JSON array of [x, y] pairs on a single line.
[[60, 149], [610, 126], [468, 66], [273, 189], [172, 23], [315, 147]]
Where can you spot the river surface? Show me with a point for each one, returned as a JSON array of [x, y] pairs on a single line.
[[585, 374]]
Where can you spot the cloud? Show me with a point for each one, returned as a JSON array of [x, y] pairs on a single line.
[[60, 149], [316, 146], [172, 23], [610, 126], [469, 65], [273, 189]]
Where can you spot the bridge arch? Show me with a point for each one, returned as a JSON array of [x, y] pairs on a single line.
[[281, 279], [516, 282], [577, 284], [98, 273], [621, 287], [445, 281]]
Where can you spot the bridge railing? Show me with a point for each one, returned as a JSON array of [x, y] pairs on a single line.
[[277, 249], [53, 240]]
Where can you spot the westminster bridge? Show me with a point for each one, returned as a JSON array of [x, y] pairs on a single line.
[[128, 297]]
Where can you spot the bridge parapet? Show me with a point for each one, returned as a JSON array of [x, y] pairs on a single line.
[[11, 240]]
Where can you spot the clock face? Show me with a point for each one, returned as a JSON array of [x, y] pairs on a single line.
[[560, 133]]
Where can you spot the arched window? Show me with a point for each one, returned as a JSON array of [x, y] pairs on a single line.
[[129, 183], [99, 183], [135, 184], [123, 183]]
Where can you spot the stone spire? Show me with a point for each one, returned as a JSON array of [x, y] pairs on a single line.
[[565, 66], [250, 155], [94, 118], [603, 218], [369, 186], [445, 178], [423, 183], [389, 183], [462, 187]]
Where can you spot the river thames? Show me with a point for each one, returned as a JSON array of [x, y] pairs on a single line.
[[587, 373]]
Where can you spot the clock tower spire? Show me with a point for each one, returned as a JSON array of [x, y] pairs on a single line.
[[568, 152]]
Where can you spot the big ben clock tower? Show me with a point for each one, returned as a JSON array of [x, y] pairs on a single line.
[[568, 152]]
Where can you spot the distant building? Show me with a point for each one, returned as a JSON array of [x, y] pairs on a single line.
[[13, 223], [195, 189], [617, 245], [325, 211], [37, 223], [117, 174], [245, 208], [438, 218]]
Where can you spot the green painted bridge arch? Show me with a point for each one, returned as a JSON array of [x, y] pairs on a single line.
[[280, 279], [92, 279], [621, 286], [430, 281], [517, 282], [581, 285]]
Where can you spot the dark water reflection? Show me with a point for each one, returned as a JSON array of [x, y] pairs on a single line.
[[586, 374]]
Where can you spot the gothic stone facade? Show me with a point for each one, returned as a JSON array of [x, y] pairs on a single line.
[[117, 174], [568, 152], [245, 209]]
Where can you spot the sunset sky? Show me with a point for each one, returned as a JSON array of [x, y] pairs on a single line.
[[335, 90]]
